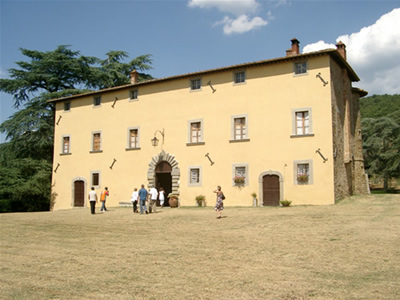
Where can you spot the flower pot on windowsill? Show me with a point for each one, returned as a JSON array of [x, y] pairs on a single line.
[[302, 179], [239, 180]]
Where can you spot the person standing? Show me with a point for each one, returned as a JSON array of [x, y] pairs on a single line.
[[161, 196], [219, 205], [134, 200], [92, 200], [103, 198], [143, 197], [153, 199]]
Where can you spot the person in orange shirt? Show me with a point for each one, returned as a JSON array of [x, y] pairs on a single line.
[[103, 198]]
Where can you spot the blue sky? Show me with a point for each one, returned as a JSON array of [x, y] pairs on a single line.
[[192, 35]]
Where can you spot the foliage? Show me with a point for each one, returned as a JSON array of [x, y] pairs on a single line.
[[49, 75], [24, 182], [378, 106], [303, 178], [381, 144], [381, 137], [285, 203], [200, 200], [239, 179]]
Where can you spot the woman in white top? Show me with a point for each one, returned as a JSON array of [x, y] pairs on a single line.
[[161, 196], [134, 200]]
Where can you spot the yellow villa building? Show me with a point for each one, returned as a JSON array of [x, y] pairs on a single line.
[[286, 129]]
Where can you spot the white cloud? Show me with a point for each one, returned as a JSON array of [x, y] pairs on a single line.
[[241, 24], [241, 9], [320, 45], [236, 7], [374, 53]]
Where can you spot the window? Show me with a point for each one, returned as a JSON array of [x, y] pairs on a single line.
[[302, 122], [303, 172], [133, 138], [300, 68], [239, 128], [195, 132], [95, 177], [96, 142], [240, 174], [133, 94], [66, 145], [67, 106], [195, 84], [97, 101], [239, 77], [195, 176]]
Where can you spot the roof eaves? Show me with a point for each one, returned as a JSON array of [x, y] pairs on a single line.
[[333, 52]]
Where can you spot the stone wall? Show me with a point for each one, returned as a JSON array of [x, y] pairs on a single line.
[[349, 174]]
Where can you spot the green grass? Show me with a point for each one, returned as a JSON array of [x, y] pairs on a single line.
[[349, 250]]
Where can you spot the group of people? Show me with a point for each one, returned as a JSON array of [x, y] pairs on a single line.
[[93, 200], [142, 196]]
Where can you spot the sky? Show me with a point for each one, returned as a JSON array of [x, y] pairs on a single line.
[[185, 36]]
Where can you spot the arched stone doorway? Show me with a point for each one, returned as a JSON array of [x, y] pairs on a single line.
[[164, 170], [271, 188]]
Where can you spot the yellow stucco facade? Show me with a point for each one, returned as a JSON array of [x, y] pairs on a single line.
[[270, 127]]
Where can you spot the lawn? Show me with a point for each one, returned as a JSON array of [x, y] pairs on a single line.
[[350, 250]]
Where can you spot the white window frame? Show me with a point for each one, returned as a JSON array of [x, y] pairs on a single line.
[[233, 128], [191, 84], [128, 145], [235, 77], [91, 178], [189, 135], [92, 142], [296, 164], [294, 122], [95, 99], [246, 175], [63, 144], [190, 183], [303, 68]]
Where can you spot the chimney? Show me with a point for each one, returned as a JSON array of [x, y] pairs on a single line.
[[134, 77], [341, 48], [295, 48]]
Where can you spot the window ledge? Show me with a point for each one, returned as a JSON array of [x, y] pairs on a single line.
[[195, 144], [97, 151], [132, 149], [62, 154], [239, 141], [301, 135]]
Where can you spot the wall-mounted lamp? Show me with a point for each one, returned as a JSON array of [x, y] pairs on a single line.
[[154, 140]]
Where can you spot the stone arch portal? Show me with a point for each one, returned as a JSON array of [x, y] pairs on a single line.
[[175, 172]]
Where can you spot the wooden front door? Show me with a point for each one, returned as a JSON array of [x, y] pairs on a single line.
[[271, 191], [79, 193]]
